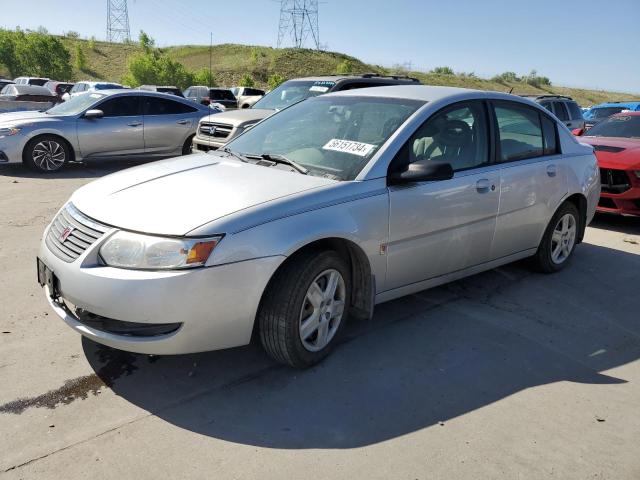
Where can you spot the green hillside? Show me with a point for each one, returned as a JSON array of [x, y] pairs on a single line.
[[108, 61]]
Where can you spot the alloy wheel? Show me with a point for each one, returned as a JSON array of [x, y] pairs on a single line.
[[563, 239], [48, 155]]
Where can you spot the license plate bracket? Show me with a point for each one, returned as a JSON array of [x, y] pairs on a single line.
[[48, 278]]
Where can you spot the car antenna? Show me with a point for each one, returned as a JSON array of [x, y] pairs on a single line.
[[511, 90]]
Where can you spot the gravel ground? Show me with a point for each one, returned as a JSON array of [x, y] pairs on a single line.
[[507, 374]]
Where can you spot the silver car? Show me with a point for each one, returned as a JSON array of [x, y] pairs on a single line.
[[314, 216], [100, 125]]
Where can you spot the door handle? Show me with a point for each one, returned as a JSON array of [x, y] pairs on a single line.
[[183, 122], [484, 185], [552, 170], [134, 124]]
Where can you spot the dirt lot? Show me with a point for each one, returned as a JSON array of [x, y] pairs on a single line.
[[508, 374]]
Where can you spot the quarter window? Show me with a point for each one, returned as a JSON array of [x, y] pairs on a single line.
[[561, 111], [550, 135], [126, 106], [574, 110], [519, 132], [457, 136]]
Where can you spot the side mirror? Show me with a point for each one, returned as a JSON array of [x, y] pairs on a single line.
[[91, 114], [577, 131], [423, 172]]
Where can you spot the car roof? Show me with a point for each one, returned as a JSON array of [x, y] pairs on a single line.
[[32, 90], [150, 93], [363, 76], [547, 95], [633, 104]]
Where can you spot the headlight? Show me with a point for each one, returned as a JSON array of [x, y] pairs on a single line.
[[8, 131], [145, 252], [637, 173]]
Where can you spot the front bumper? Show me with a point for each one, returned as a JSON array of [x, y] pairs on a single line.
[[626, 202], [11, 149], [216, 306], [204, 144]]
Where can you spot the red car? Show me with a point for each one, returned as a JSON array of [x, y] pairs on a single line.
[[617, 146]]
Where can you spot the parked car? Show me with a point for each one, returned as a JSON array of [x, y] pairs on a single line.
[[83, 87], [215, 132], [603, 111], [616, 141], [27, 93], [59, 88], [247, 96], [100, 125], [207, 96], [565, 108], [314, 216], [38, 81], [4, 82], [173, 90]]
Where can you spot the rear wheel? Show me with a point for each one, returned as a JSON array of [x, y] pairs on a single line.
[[559, 240], [45, 154], [186, 148], [305, 308]]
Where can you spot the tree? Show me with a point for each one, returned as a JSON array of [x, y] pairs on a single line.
[[81, 58], [43, 55], [274, 80], [204, 77], [344, 67], [72, 34], [8, 53], [156, 69], [443, 71], [146, 42], [246, 81]]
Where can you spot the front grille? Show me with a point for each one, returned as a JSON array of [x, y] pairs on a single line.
[[129, 329], [71, 233], [215, 130], [614, 181]]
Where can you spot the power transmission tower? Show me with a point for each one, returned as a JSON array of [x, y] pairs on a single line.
[[118, 21], [299, 21]]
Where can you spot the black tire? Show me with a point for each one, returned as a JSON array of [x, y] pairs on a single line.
[[188, 143], [543, 260], [58, 154], [279, 316]]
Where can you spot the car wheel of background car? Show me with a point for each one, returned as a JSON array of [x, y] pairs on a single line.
[[186, 148], [245, 106], [559, 240], [47, 153], [304, 308]]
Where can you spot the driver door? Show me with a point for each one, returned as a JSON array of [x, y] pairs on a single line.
[[118, 133], [439, 227]]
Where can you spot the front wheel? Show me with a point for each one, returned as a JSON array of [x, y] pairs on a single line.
[[46, 154], [188, 144], [559, 240], [305, 308]]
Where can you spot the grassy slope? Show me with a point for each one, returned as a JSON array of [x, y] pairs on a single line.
[[109, 62]]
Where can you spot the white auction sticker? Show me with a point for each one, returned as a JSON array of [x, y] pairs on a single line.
[[348, 146], [319, 88]]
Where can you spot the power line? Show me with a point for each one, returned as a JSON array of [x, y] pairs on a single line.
[[298, 22], [118, 21]]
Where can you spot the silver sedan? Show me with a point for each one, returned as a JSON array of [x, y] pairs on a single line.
[[98, 126], [313, 217]]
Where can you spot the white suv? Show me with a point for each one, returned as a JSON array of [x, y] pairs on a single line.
[[82, 87]]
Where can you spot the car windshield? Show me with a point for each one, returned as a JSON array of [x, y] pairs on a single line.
[[75, 105], [624, 126], [292, 92], [332, 136], [604, 112]]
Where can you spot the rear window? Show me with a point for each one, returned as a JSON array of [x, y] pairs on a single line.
[[221, 95], [251, 92]]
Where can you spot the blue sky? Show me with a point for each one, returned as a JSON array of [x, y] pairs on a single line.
[[584, 43]]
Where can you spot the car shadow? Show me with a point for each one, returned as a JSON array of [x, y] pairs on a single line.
[[422, 360], [72, 169], [617, 223]]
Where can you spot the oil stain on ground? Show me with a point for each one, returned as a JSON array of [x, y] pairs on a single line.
[[115, 365]]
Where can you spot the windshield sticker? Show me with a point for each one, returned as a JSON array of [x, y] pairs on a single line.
[[348, 146], [319, 88], [95, 95]]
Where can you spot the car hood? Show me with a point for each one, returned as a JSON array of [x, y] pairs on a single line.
[[615, 152], [173, 197], [239, 117], [18, 118]]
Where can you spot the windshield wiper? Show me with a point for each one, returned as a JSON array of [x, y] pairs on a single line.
[[277, 158], [234, 154]]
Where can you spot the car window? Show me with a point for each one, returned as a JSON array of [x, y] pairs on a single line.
[[547, 105], [457, 135], [293, 91], [221, 95], [623, 126], [519, 131], [561, 111], [125, 106], [333, 137], [574, 110], [550, 135], [163, 106], [252, 92]]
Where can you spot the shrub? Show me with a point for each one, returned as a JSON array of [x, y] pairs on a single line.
[[274, 80], [246, 81], [81, 58], [443, 71], [204, 77], [92, 44], [344, 67]]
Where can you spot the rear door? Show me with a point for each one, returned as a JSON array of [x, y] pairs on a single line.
[[439, 227], [167, 124], [532, 177], [118, 133]]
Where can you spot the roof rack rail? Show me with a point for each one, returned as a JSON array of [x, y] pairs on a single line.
[[546, 95]]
